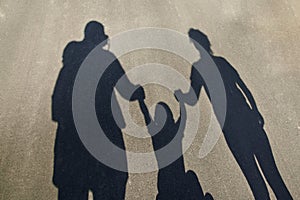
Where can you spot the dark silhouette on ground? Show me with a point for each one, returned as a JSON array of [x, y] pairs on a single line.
[[76, 171], [173, 182], [243, 128]]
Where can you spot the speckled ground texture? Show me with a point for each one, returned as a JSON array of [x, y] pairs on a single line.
[[260, 38]]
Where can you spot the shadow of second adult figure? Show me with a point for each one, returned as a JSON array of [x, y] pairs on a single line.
[[76, 171], [243, 128]]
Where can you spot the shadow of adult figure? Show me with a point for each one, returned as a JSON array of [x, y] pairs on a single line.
[[173, 181], [243, 128], [76, 171]]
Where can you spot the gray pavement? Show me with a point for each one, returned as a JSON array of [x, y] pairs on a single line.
[[259, 38]]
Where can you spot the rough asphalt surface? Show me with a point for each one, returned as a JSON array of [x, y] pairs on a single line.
[[259, 38]]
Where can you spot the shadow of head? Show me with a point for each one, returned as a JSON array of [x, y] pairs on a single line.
[[163, 115], [199, 38], [94, 32]]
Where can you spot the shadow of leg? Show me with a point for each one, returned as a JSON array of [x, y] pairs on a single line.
[[242, 153], [112, 188], [265, 158], [72, 193]]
